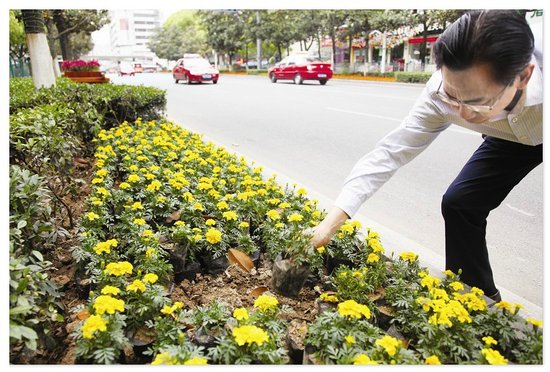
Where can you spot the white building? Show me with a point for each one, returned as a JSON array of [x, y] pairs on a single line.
[[126, 37]]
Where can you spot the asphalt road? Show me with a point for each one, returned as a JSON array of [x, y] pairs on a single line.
[[314, 134]]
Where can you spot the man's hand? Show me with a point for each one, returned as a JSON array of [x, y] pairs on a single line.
[[322, 233]]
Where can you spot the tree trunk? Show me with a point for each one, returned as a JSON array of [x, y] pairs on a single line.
[[41, 59], [61, 25], [350, 45], [423, 47]]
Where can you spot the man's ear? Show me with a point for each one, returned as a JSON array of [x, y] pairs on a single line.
[[525, 76]]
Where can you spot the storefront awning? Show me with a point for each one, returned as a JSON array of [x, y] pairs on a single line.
[[418, 40]]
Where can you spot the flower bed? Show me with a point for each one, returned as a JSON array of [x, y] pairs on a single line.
[[162, 198]]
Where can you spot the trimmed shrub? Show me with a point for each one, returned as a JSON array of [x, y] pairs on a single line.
[[413, 77]]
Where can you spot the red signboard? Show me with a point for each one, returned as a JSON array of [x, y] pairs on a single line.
[[418, 40]]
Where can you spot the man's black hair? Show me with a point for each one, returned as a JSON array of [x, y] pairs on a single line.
[[501, 38]]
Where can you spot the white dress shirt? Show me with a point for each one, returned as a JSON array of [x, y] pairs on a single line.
[[427, 119]]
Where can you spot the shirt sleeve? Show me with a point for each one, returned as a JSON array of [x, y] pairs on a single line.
[[415, 133]]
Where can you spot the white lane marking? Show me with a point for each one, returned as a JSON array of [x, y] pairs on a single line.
[[520, 210], [452, 128], [364, 114]]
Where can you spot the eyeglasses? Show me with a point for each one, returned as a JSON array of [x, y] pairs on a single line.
[[476, 108]]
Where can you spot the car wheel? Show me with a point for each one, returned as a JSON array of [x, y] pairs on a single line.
[[272, 77], [176, 80], [323, 82], [215, 81], [187, 80], [298, 79]]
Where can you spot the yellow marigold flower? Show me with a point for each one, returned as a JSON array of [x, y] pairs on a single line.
[[167, 309], [110, 290], [249, 334], [133, 168], [357, 274], [353, 309], [155, 185], [279, 225], [301, 191], [328, 297], [150, 278], [161, 199], [92, 216], [213, 236], [356, 224], [284, 205], [222, 205], [408, 256], [244, 225], [103, 191], [273, 214], [124, 185], [449, 273], [210, 222], [373, 257], [101, 172], [150, 252], [295, 217], [493, 357], [240, 313], [136, 205], [147, 233], [375, 245], [139, 221], [373, 235], [347, 228], [133, 178], [135, 286], [265, 302], [274, 201], [107, 304], [321, 249], [164, 358], [432, 360], [457, 286], [105, 246], [93, 324], [350, 340], [477, 291], [535, 322], [389, 344], [197, 237], [119, 268], [196, 361], [198, 207], [489, 341], [363, 359], [230, 216]]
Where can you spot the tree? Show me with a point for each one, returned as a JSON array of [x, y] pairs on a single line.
[[73, 28], [37, 42], [180, 34], [18, 46], [332, 21], [224, 31], [432, 19]]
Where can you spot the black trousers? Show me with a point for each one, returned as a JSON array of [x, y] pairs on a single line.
[[484, 182]]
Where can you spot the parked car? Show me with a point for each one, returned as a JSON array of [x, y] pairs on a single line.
[[150, 68], [299, 68], [125, 68], [193, 68], [138, 68]]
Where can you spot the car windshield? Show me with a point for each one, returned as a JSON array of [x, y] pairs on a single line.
[[197, 62]]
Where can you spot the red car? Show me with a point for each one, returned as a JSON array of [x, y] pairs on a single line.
[[193, 68], [299, 68]]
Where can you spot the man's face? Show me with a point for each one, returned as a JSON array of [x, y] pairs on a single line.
[[474, 87]]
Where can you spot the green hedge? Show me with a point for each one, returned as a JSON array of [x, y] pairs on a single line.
[[113, 103], [413, 77]]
